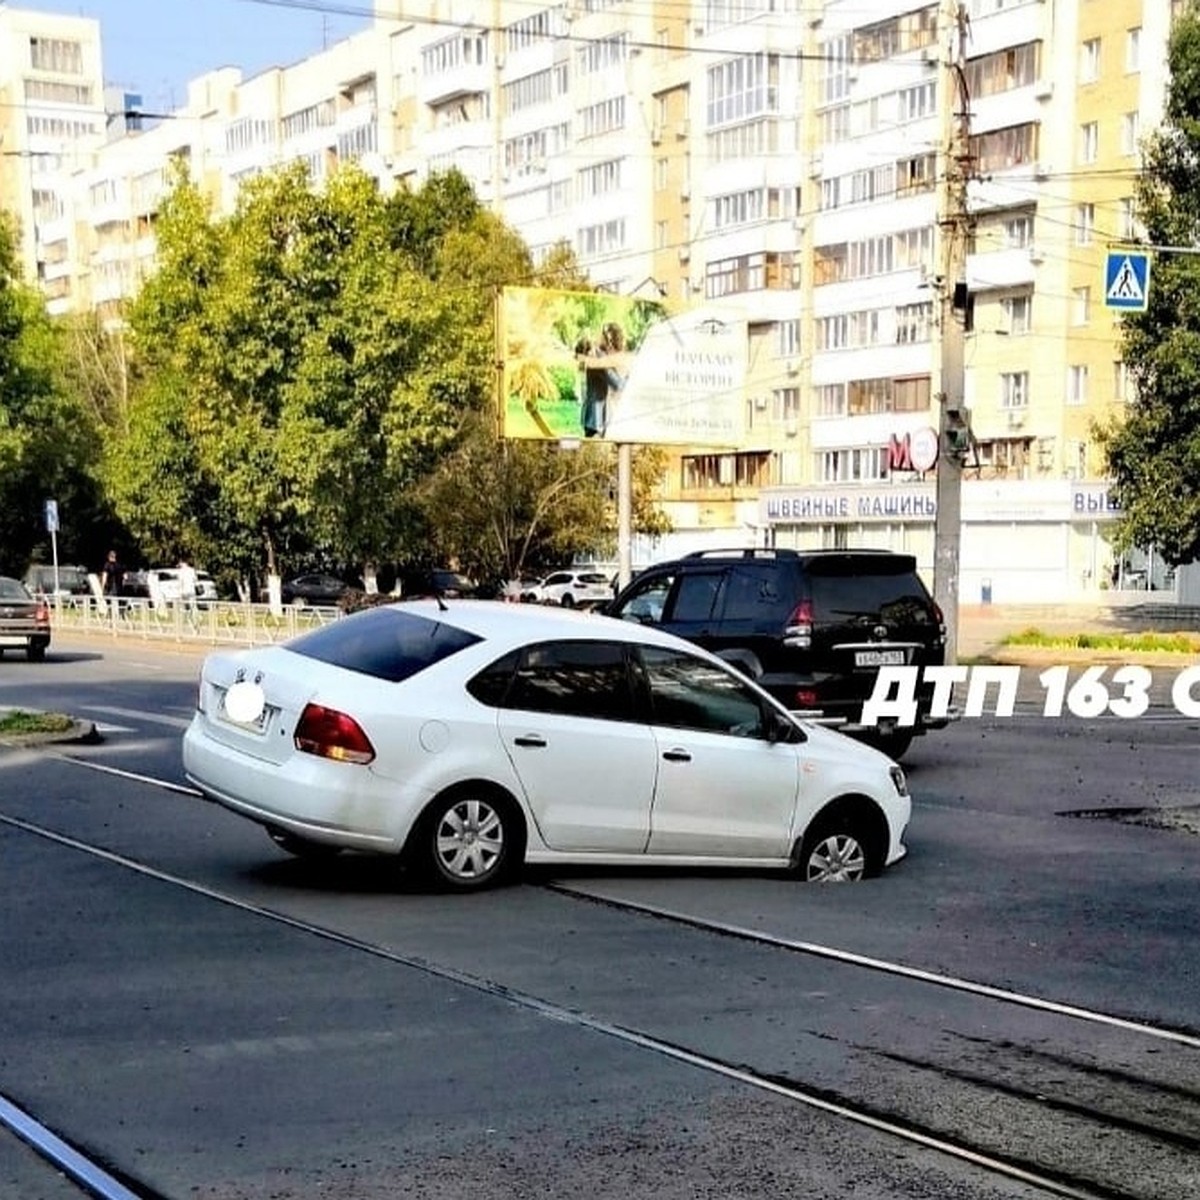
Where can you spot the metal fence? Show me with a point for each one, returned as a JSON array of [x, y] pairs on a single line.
[[212, 622]]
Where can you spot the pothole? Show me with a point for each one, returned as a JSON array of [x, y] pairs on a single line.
[[1181, 820]]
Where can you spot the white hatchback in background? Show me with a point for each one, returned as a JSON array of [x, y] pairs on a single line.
[[470, 737], [163, 586], [573, 589]]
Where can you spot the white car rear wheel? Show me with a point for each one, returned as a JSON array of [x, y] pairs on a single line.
[[470, 838]]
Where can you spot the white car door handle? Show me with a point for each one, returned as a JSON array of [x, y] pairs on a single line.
[[678, 754], [531, 739]]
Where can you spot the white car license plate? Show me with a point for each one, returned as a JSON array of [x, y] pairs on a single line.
[[879, 658], [256, 726]]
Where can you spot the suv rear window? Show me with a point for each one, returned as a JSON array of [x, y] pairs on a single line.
[[385, 643], [869, 587]]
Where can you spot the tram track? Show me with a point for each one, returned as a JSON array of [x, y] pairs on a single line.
[[1103, 1120]]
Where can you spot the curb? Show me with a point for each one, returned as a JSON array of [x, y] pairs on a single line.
[[80, 733]]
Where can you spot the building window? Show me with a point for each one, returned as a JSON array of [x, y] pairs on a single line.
[[741, 88], [1084, 224], [1081, 303], [1127, 219], [1131, 131], [1002, 71], [831, 400], [1014, 389], [1013, 146], [1122, 382], [1133, 49], [1018, 314], [1018, 231], [914, 323], [1089, 142], [1077, 384], [852, 465], [787, 339], [1089, 61], [56, 54], [750, 273]]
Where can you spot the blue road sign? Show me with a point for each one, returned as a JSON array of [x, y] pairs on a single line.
[[51, 511], [1127, 280]]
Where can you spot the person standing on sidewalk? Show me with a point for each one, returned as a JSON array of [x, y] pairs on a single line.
[[187, 586]]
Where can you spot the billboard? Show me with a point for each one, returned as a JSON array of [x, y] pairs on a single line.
[[581, 365]]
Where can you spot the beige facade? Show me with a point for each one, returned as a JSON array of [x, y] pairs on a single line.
[[783, 160]]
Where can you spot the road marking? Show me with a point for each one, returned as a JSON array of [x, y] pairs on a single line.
[[165, 784], [136, 714]]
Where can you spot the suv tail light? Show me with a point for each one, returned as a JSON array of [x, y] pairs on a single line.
[[328, 733], [798, 630], [940, 618], [41, 614]]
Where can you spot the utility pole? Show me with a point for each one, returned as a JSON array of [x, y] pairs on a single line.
[[955, 224]]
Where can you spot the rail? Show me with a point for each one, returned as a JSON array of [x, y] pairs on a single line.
[[214, 622]]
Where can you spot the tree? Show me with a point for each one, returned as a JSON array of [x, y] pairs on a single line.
[[305, 366], [48, 443], [1153, 454], [503, 509]]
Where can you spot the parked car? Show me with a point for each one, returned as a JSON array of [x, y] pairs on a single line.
[[24, 620], [471, 737], [72, 580], [813, 627], [576, 588], [438, 581], [314, 588], [527, 590], [162, 586]]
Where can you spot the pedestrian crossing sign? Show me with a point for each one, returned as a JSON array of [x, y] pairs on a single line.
[[1127, 280]]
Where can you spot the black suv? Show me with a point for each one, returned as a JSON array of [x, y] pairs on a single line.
[[812, 627]]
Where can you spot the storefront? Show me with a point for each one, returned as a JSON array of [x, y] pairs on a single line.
[[1023, 541]]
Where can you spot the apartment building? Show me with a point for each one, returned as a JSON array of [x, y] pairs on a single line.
[[52, 116], [785, 161]]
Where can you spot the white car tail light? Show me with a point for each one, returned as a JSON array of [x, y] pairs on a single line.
[[328, 733]]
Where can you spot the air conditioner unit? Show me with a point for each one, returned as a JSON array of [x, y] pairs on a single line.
[[793, 366], [799, 224], [930, 56], [685, 253], [655, 135], [1042, 170], [1016, 418], [683, 129], [685, 192], [816, 166], [791, 428], [1043, 89], [1037, 255], [760, 403]]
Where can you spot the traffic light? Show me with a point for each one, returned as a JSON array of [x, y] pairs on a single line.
[[956, 432]]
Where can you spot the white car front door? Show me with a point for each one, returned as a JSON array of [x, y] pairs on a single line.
[[586, 765], [724, 789]]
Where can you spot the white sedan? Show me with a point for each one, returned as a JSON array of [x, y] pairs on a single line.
[[468, 737]]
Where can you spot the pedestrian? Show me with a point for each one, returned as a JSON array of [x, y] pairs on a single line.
[[112, 579], [187, 585]]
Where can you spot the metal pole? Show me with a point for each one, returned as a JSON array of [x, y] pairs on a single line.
[[624, 513], [954, 222]]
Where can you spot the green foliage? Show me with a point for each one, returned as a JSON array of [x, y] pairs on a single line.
[[1154, 452], [48, 439], [303, 364], [1140, 643]]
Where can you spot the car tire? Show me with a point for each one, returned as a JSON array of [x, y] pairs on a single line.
[[36, 651], [471, 837], [841, 846], [302, 847], [567, 600]]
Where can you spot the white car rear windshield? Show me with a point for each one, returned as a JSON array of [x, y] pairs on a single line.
[[386, 643]]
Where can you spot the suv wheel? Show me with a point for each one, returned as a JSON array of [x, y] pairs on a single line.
[[567, 600]]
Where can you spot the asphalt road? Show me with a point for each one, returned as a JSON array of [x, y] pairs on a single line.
[[213, 1021]]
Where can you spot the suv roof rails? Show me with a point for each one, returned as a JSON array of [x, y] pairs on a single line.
[[745, 552]]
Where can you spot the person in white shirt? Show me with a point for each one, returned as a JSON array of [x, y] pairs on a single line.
[[187, 585]]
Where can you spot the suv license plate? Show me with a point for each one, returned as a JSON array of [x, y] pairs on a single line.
[[879, 658]]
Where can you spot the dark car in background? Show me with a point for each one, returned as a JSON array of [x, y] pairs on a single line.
[[24, 620], [812, 627], [42, 579], [314, 588], [437, 581]]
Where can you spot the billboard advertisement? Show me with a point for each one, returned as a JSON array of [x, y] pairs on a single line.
[[581, 365]]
